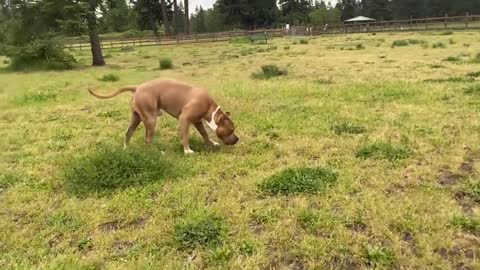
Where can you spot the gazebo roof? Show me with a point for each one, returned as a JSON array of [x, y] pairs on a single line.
[[361, 19]]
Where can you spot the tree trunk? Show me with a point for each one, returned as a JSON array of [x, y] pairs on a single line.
[[175, 17], [96, 47], [165, 18], [187, 19]]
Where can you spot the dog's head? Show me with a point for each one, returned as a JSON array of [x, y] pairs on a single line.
[[226, 129]]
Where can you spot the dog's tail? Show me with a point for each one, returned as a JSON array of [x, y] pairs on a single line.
[[116, 93]]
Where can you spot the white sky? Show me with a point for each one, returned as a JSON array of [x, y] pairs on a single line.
[[209, 3]]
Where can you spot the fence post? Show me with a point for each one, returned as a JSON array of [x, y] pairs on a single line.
[[466, 20], [411, 23], [426, 24], [446, 20]]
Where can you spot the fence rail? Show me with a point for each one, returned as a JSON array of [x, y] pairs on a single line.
[[423, 24]]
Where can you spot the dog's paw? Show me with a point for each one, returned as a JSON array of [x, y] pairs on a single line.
[[188, 152], [215, 144]]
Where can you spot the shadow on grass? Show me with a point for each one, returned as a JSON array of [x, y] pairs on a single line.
[[110, 169]]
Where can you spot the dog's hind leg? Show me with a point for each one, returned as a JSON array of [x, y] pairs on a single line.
[[150, 123], [131, 129]]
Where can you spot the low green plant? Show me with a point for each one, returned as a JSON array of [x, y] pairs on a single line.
[[34, 97], [468, 224], [109, 78], [472, 89], [384, 150], [347, 128], [360, 47], [304, 41], [111, 168], [269, 71], [286, 48], [299, 180], [439, 45], [378, 256], [199, 230], [400, 43], [474, 74], [166, 63], [452, 59]]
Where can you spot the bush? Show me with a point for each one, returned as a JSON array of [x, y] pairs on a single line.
[[109, 78], [304, 41], [199, 230], [474, 74], [349, 128], [473, 89], [269, 71], [384, 150], [286, 48], [40, 54], [39, 96], [110, 168], [166, 63], [446, 33], [299, 180]]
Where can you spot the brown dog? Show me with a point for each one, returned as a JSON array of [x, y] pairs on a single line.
[[189, 104]]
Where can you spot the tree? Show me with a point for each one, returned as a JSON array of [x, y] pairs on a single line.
[[200, 21], [348, 9], [248, 13], [95, 45], [377, 9], [165, 17], [175, 18], [187, 18], [295, 11]]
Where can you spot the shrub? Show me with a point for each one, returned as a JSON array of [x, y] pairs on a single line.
[[304, 41], [437, 66], [6, 62], [166, 63], [384, 150], [286, 48], [299, 180], [349, 128], [476, 59], [360, 47], [110, 168], [308, 220], [40, 54], [400, 43], [109, 78], [439, 45], [446, 33], [269, 71], [452, 41], [473, 191], [199, 230]]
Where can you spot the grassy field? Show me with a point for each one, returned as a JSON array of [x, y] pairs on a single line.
[[365, 155]]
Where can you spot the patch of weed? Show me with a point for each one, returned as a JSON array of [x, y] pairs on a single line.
[[269, 71], [304, 41], [474, 74], [400, 43], [360, 47], [468, 224], [166, 63], [439, 45], [199, 230], [39, 96], [111, 168], [109, 78], [446, 33], [378, 256], [384, 150], [286, 48], [324, 81], [473, 89], [347, 128], [299, 180]]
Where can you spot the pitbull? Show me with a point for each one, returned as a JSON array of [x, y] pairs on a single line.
[[189, 104]]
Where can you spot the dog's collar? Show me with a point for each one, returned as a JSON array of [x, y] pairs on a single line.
[[212, 125]]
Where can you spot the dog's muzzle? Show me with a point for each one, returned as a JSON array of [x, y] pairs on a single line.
[[231, 140]]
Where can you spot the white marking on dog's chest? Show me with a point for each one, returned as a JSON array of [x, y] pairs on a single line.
[[211, 124]]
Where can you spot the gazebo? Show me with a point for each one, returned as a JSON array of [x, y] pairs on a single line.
[[360, 19]]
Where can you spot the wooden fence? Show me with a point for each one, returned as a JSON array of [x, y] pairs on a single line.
[[425, 24]]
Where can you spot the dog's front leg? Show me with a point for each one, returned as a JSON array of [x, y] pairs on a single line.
[[201, 129], [184, 132]]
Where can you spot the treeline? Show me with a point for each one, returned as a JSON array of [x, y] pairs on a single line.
[[32, 31]]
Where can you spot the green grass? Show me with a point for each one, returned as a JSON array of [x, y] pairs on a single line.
[[393, 130], [299, 180]]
